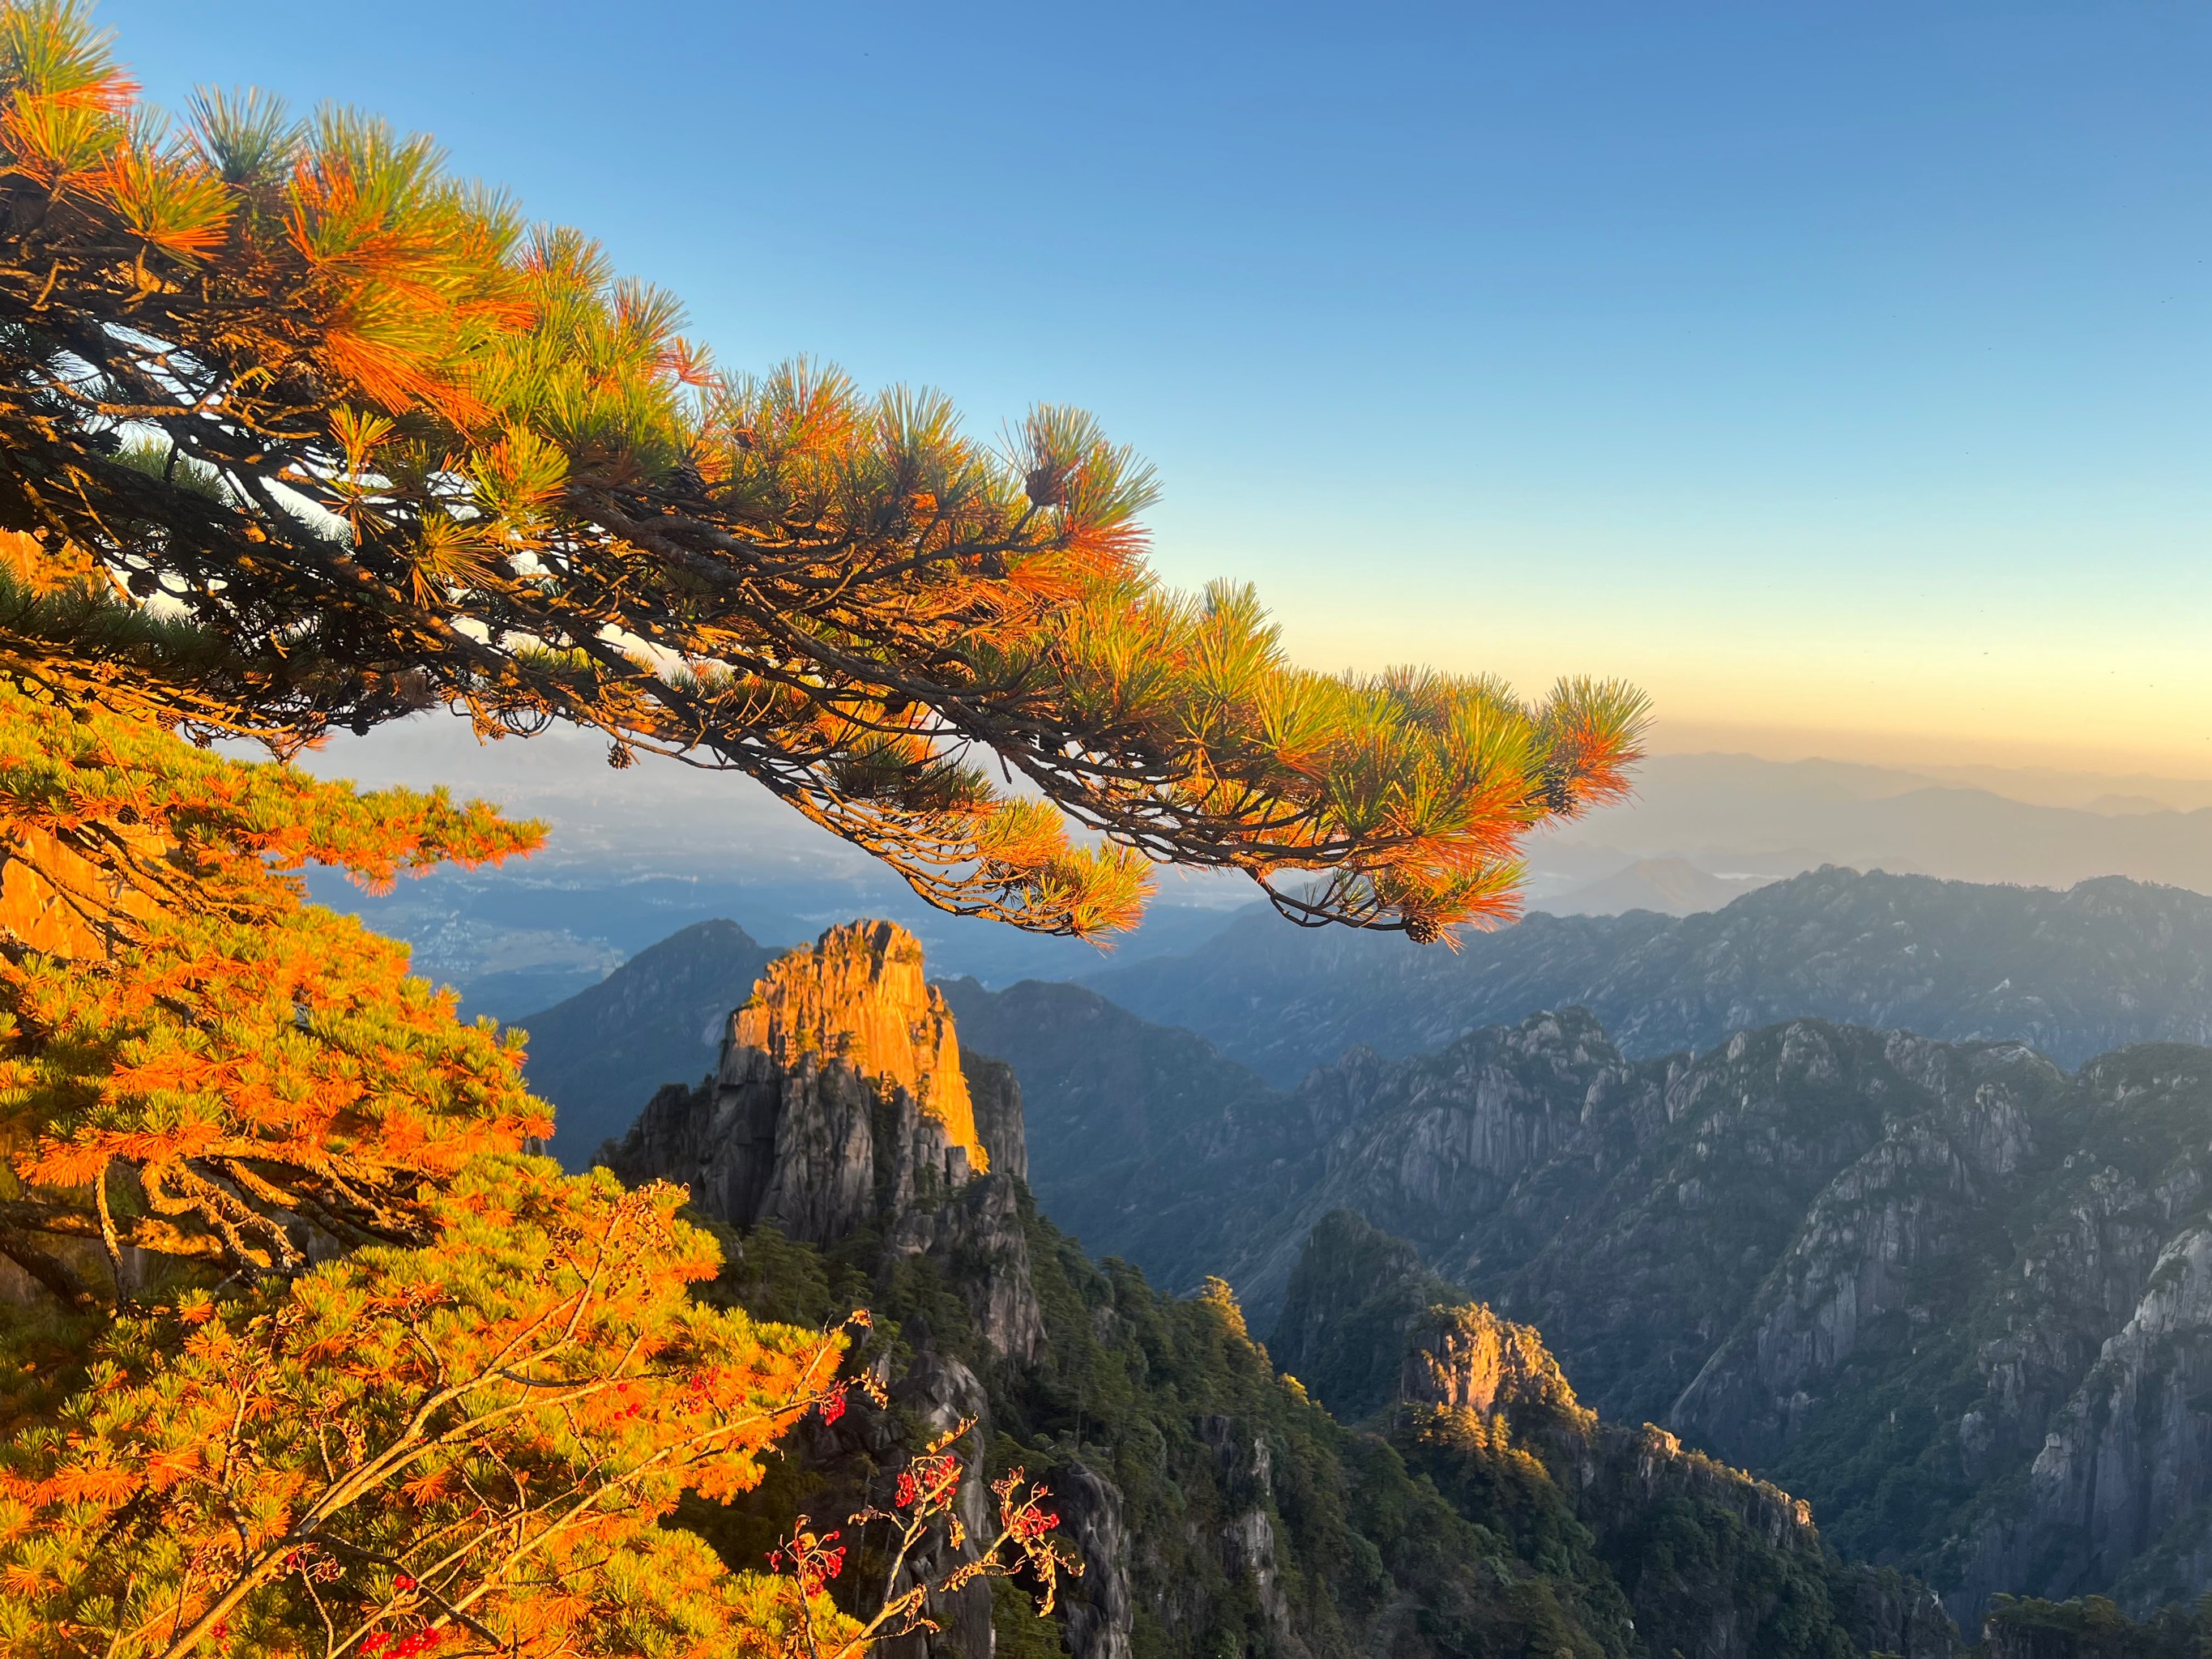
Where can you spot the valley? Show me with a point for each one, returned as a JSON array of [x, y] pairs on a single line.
[[1950, 1291]]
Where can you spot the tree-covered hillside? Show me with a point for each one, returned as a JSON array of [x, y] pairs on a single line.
[[1958, 1299]]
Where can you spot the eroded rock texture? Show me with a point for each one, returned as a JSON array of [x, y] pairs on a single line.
[[1486, 1412], [841, 1102], [1466, 1359], [1950, 1294]]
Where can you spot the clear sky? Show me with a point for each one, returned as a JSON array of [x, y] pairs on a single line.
[[1840, 371]]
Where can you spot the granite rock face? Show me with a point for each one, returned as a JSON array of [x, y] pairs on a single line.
[[1885, 1228], [996, 1097], [1101, 1607], [942, 1394], [2009, 1301], [839, 1097], [888, 1040], [841, 1102], [1482, 1403], [859, 999], [1466, 1359], [1951, 1295], [2120, 1493]]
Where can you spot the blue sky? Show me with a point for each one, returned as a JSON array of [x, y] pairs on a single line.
[[1841, 371]]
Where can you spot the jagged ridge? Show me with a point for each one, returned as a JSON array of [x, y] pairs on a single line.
[[1215, 1503], [2108, 963], [1957, 1298]]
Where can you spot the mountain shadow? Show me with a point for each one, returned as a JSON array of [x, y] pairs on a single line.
[[658, 1019]]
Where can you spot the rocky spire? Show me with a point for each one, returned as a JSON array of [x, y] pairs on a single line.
[[1467, 1358], [843, 1102], [859, 997]]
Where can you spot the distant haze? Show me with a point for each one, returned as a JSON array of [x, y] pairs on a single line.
[[1737, 816], [633, 856]]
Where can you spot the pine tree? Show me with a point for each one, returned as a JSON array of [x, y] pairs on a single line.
[[465, 1446], [176, 1021], [307, 434], [307, 1355]]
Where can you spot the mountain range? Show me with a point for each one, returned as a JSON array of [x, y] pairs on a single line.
[[1952, 1289], [1958, 1299], [632, 856], [1736, 813], [1669, 886], [853, 1151], [2106, 962]]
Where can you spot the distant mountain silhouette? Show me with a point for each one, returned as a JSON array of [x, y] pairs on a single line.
[[1673, 887], [2108, 963], [658, 1019], [1735, 812]]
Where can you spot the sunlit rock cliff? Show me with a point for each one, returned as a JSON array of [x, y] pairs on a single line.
[[842, 1102], [859, 1157]]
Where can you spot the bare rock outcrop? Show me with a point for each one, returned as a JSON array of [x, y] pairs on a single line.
[[839, 1097], [842, 1102], [2124, 1478], [997, 1099], [1100, 1608], [1467, 1358], [1482, 1406], [858, 997], [942, 1394]]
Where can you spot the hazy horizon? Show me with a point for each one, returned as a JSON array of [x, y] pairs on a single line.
[[1843, 377], [634, 855], [1843, 371]]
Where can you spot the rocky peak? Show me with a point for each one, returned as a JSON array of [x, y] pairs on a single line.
[[842, 1104], [858, 997], [1478, 1396], [1466, 1359]]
